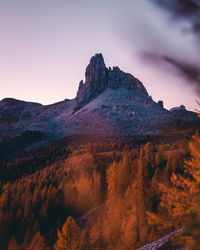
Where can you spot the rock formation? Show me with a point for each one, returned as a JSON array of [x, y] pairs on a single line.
[[161, 104], [181, 107], [98, 78], [109, 103]]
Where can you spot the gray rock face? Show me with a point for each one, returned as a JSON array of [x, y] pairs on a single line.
[[96, 74], [118, 78], [95, 80], [98, 78]]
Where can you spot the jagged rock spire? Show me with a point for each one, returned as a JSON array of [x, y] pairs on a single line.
[[98, 78], [96, 71], [95, 80]]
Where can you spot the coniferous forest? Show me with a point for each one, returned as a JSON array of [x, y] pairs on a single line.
[[105, 195]]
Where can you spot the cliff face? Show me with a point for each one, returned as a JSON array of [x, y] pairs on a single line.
[[98, 78]]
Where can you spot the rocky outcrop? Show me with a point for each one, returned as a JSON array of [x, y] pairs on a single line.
[[98, 78], [118, 78], [161, 104], [181, 107], [95, 80]]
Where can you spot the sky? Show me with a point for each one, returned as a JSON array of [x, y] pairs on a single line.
[[46, 45]]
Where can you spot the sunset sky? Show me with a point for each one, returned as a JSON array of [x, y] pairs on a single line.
[[46, 45]]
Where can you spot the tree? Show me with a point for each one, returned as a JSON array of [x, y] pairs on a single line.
[[13, 244], [95, 233], [193, 167], [38, 243], [84, 243], [130, 225], [69, 236], [140, 199], [149, 154], [193, 227], [179, 203], [118, 178]]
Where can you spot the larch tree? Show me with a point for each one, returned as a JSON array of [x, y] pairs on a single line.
[[130, 229], [118, 180], [84, 243], [69, 237], [193, 167], [13, 244], [179, 203], [149, 154], [97, 230], [38, 243], [140, 199]]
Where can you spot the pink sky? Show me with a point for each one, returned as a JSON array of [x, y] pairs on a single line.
[[46, 45]]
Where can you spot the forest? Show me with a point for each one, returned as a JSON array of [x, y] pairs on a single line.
[[105, 195]]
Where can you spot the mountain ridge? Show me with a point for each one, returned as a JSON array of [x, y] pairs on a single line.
[[98, 77], [109, 102]]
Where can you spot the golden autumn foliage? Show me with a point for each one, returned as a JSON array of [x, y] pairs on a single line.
[[180, 202], [38, 243], [69, 236], [111, 186], [13, 244]]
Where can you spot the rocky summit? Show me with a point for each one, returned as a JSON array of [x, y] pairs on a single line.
[[98, 78], [109, 102]]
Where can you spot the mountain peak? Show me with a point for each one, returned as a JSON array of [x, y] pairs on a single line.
[[97, 59], [95, 80], [96, 71], [98, 78]]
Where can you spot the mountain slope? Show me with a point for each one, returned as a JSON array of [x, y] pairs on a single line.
[[118, 112], [109, 102]]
